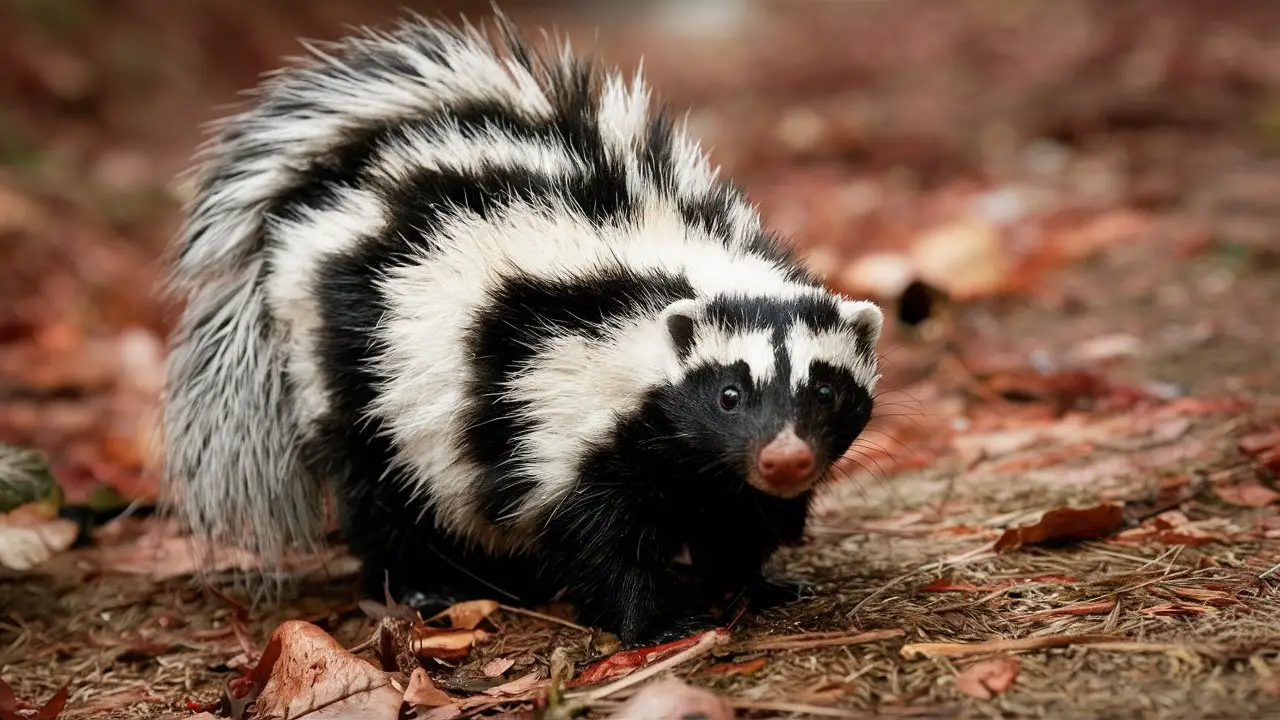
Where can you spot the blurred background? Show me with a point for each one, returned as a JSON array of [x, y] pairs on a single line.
[[979, 145]]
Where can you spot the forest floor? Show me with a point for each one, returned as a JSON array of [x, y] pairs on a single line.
[[1068, 504]]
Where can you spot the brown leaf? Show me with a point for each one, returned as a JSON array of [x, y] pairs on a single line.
[[497, 666], [1062, 524], [1247, 494], [445, 645], [1176, 608], [739, 668], [28, 537], [966, 258], [1207, 596], [53, 708], [468, 615], [424, 693], [987, 678], [671, 698], [519, 686], [315, 676], [1259, 443]]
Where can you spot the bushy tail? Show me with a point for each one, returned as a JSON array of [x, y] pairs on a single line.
[[231, 432]]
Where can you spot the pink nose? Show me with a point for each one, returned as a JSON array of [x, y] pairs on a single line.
[[786, 460]]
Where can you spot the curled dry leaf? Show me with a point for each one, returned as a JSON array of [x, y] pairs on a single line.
[[468, 615], [1065, 524], [987, 678], [28, 537], [519, 686], [1098, 607], [313, 676], [671, 698], [444, 645], [424, 693]]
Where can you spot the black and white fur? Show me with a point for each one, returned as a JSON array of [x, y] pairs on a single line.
[[494, 298]]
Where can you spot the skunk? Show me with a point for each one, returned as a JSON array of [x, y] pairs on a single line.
[[501, 305]]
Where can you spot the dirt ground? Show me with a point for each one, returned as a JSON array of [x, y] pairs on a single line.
[[1088, 190]]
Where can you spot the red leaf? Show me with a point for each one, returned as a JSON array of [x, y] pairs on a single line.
[[8, 701], [1066, 524], [424, 693], [987, 678], [53, 708], [1258, 443], [1247, 494], [740, 668], [626, 662]]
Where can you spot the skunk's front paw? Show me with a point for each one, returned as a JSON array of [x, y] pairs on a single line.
[[679, 628]]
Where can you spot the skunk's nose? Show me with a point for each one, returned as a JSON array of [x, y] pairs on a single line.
[[786, 461]]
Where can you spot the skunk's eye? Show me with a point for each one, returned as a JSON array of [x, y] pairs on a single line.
[[825, 393], [729, 398]]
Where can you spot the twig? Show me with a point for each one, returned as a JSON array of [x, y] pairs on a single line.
[[801, 642], [702, 647], [1016, 645], [787, 707], [544, 616]]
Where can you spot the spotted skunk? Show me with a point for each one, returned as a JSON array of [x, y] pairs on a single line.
[[502, 305]]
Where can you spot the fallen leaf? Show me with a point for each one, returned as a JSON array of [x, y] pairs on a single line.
[[315, 677], [987, 678], [1064, 524], [29, 536], [444, 645], [1247, 494], [1010, 646], [626, 662], [468, 615], [519, 686], [966, 258], [105, 705], [24, 477], [424, 693], [498, 666], [1174, 528], [671, 698], [945, 585], [824, 692], [739, 668], [1259, 443]]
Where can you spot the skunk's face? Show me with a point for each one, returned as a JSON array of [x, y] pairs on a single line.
[[774, 391]]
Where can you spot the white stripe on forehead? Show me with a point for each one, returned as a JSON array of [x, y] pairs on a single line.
[[836, 347], [713, 344]]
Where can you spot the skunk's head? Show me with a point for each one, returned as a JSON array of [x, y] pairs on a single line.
[[771, 391]]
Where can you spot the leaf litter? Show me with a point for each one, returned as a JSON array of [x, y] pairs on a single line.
[[1065, 341]]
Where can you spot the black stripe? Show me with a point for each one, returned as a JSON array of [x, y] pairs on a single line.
[[522, 314]]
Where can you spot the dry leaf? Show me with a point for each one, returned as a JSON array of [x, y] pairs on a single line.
[[987, 678], [966, 258], [1207, 596], [519, 686], [314, 677], [29, 537], [626, 662], [424, 693], [1247, 494], [468, 615], [671, 698], [1063, 524], [445, 645], [498, 666], [1176, 608]]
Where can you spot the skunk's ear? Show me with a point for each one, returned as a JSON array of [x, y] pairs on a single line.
[[678, 320], [866, 320]]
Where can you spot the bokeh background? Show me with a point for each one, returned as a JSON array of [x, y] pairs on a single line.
[[1068, 208]]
